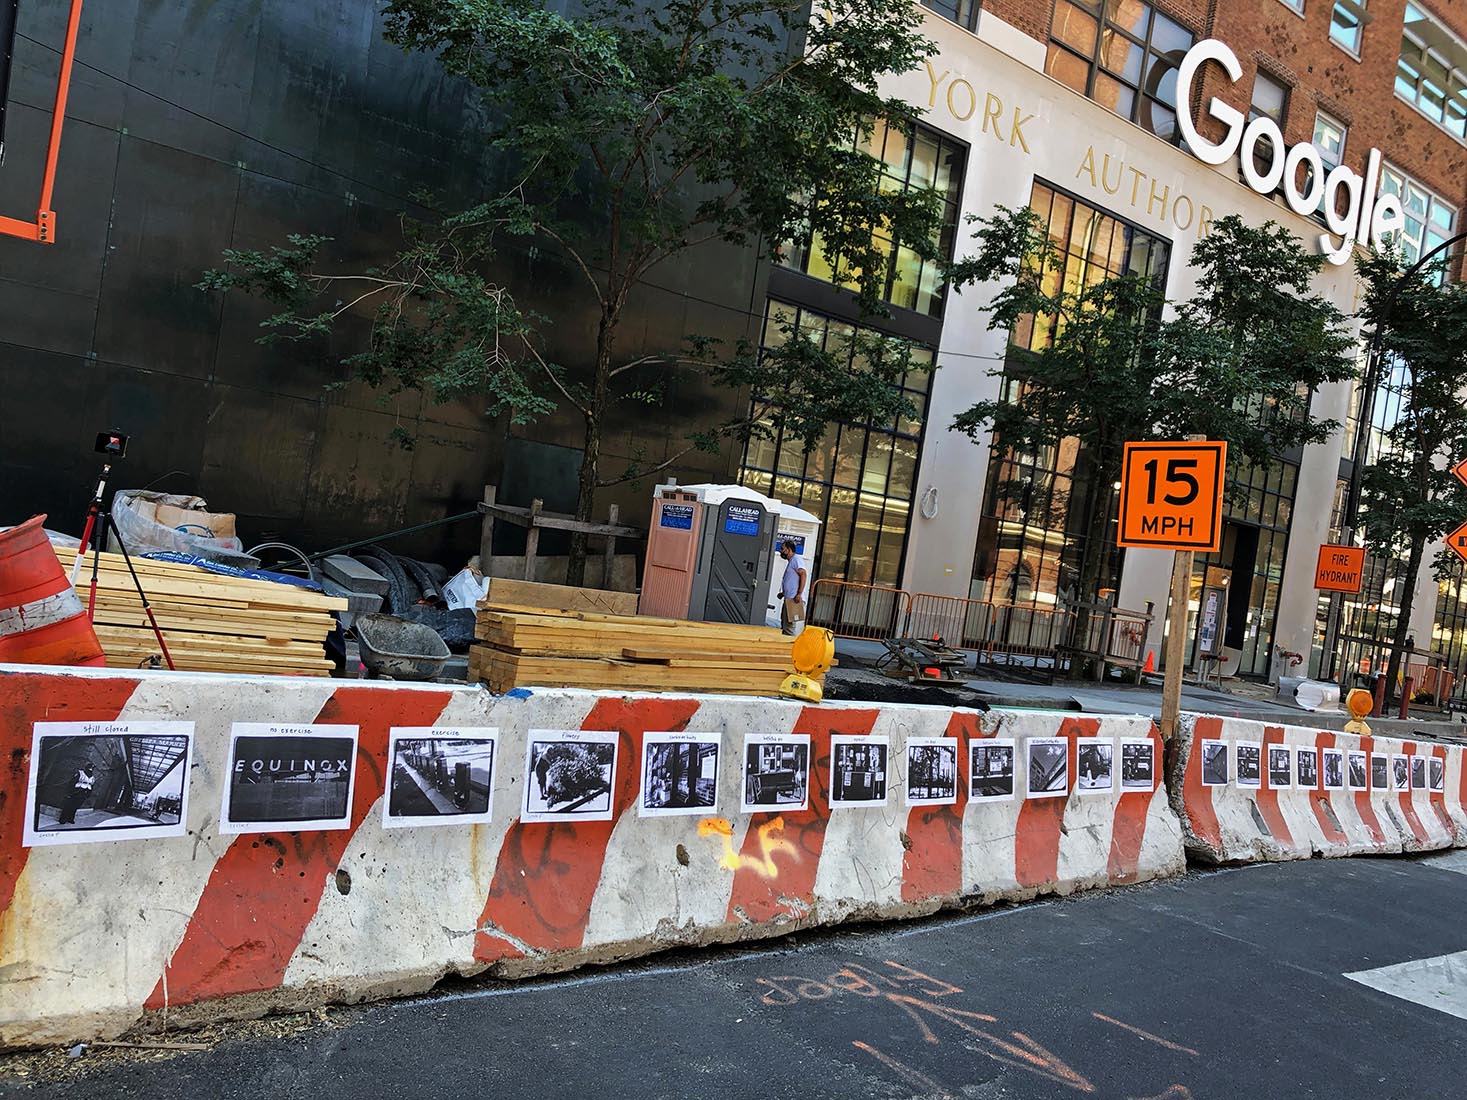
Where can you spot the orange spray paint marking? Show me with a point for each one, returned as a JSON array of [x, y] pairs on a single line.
[[1150, 1038], [762, 864]]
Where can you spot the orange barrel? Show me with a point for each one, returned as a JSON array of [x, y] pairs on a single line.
[[41, 618]]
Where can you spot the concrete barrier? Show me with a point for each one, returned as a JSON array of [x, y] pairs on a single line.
[[95, 936], [1237, 821]]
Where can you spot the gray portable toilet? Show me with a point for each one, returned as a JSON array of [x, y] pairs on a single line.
[[735, 558]]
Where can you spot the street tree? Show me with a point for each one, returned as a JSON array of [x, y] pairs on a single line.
[[1409, 497], [630, 133], [1114, 362]]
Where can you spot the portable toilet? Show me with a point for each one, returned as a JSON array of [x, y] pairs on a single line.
[[710, 553]]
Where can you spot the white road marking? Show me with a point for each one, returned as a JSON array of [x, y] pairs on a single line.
[[1439, 982]]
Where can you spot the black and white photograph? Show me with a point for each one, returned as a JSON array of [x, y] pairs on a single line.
[[569, 775], [1332, 768], [991, 770], [776, 772], [1138, 765], [1355, 771], [1049, 767], [93, 781], [1438, 774], [1095, 765], [679, 774], [1280, 767], [932, 771], [1418, 773], [291, 778], [1214, 763], [858, 769], [1250, 764], [1380, 772], [439, 775], [1400, 772], [1306, 775]]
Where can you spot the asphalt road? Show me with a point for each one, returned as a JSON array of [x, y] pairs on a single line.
[[1224, 985]]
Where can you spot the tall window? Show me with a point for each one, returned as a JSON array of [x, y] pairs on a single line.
[[1030, 538], [1329, 139], [1430, 219], [858, 479], [1347, 24], [962, 12], [1124, 55], [1431, 74], [911, 160], [1270, 100]]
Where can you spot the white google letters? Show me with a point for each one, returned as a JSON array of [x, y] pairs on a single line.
[[1369, 216]]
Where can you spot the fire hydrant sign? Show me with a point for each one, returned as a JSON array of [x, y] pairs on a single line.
[[1340, 568], [1171, 495]]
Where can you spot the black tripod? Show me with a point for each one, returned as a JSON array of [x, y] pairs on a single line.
[[94, 533]]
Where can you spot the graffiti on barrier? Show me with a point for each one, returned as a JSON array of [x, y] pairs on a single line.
[[771, 841]]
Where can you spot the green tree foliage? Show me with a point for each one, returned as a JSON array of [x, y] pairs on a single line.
[[1114, 364], [1409, 497], [631, 132]]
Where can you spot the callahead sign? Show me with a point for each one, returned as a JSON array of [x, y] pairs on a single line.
[[1369, 215]]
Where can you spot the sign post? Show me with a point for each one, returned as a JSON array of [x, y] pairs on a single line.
[[1171, 499]]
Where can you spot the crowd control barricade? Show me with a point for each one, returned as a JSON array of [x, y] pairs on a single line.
[[851, 610]]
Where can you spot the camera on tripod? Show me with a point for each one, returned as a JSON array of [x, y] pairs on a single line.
[[113, 444]]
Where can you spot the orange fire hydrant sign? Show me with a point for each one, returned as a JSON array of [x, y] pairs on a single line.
[[1171, 495], [1340, 569]]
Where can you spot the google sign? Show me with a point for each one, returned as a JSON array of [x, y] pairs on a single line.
[[1369, 215]]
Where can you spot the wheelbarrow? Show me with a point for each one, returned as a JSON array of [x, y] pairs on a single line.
[[395, 649]]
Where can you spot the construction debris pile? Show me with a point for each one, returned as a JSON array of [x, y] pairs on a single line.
[[210, 622], [520, 645]]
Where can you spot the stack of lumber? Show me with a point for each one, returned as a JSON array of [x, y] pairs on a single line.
[[560, 597], [521, 646], [211, 622]]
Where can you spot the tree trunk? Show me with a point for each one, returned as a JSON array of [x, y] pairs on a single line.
[[1403, 621], [589, 473], [1092, 559]]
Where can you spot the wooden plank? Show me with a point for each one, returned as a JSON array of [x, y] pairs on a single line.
[[560, 521], [629, 620], [563, 597]]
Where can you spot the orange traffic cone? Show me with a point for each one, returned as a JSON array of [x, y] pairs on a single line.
[[1150, 665], [41, 618]]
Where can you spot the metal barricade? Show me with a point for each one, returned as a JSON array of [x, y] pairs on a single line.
[[851, 610], [1019, 635]]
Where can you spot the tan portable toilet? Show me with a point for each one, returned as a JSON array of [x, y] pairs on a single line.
[[672, 552]]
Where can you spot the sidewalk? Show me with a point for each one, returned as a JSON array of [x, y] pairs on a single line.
[[854, 675]]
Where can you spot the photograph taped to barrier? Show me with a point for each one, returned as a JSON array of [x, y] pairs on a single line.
[[1214, 763], [439, 775], [1095, 765], [679, 774], [1138, 764], [289, 778], [569, 775], [1280, 767], [1438, 774], [776, 772], [1400, 772], [1356, 775], [1418, 773], [1250, 764], [932, 771], [1380, 772], [96, 781], [1049, 767], [991, 769], [858, 770], [1306, 769], [1332, 769]]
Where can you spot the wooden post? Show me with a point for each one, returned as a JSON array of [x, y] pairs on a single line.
[[532, 538], [1176, 642], [611, 516], [486, 531]]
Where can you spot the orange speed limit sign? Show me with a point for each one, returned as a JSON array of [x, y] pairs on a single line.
[[1171, 495]]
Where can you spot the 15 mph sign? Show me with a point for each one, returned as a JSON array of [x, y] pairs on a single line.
[[1171, 495]]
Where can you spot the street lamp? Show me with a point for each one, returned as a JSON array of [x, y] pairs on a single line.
[[1373, 362]]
